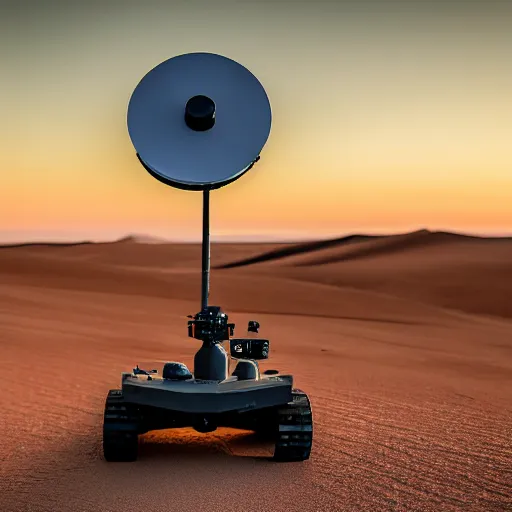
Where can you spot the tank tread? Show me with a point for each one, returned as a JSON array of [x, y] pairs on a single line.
[[120, 429], [295, 429]]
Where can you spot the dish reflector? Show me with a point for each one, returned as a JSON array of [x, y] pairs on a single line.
[[199, 121]]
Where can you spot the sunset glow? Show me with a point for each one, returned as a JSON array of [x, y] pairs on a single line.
[[383, 119]]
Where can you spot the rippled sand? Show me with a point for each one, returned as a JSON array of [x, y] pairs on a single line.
[[404, 345]]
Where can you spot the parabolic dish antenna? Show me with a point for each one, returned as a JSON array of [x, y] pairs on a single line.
[[198, 121]]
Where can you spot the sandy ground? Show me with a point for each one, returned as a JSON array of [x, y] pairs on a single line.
[[403, 343]]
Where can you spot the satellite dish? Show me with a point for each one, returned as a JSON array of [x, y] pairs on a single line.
[[198, 121]]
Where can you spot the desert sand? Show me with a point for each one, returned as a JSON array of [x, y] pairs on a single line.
[[404, 344]]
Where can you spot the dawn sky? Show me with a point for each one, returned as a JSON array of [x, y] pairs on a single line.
[[387, 117]]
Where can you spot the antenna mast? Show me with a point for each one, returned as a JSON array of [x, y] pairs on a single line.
[[205, 279]]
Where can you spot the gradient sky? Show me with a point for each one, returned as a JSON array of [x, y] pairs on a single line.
[[387, 117]]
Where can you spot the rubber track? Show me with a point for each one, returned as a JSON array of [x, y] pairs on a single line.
[[295, 429], [120, 429]]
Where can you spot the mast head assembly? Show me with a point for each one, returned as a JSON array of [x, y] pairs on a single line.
[[210, 325]]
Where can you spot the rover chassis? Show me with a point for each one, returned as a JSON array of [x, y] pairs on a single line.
[[271, 407]]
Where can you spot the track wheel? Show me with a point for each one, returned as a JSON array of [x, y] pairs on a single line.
[[295, 429], [120, 429]]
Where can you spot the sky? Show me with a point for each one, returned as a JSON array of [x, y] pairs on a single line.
[[388, 116]]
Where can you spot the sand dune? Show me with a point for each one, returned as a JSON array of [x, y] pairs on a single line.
[[404, 344], [297, 249], [441, 269], [354, 247]]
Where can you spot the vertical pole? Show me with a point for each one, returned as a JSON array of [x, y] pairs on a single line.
[[205, 281]]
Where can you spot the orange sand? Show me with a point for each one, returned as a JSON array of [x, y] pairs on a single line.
[[403, 343]]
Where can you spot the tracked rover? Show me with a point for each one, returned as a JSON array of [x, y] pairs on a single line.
[[198, 122]]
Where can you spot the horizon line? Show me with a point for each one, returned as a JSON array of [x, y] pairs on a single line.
[[258, 239]]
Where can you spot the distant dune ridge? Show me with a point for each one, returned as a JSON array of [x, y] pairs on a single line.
[[463, 272], [403, 342], [385, 244], [140, 239]]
